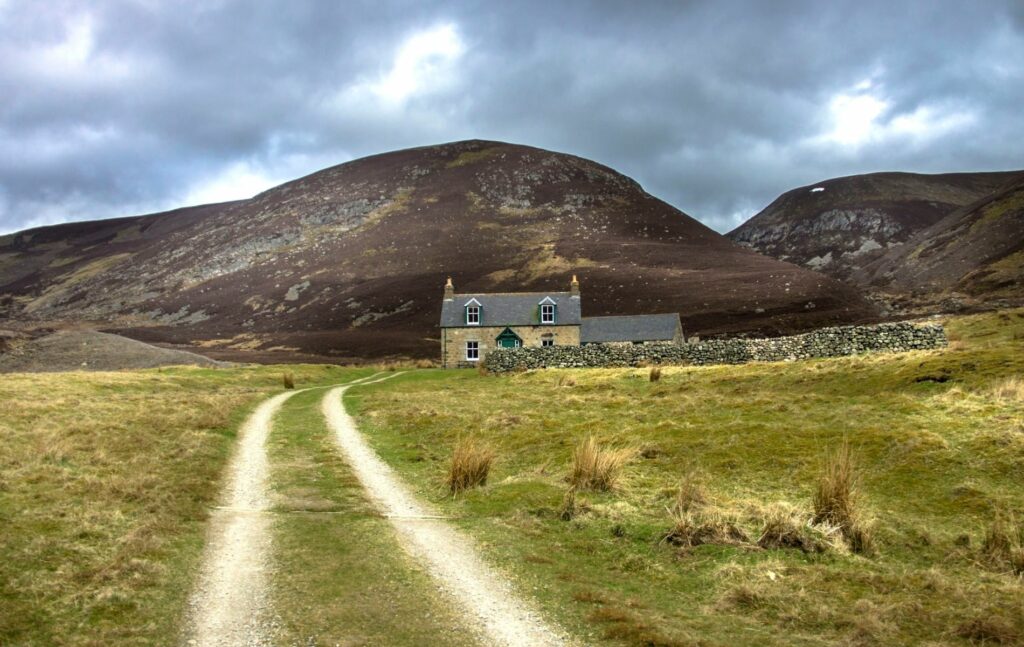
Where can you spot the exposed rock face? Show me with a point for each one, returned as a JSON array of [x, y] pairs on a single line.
[[842, 225], [973, 256], [827, 342], [350, 261]]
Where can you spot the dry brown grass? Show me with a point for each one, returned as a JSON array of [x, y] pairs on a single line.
[[691, 494], [836, 500], [706, 526], [1003, 545], [598, 468], [655, 374], [470, 465], [990, 628], [288, 379], [1011, 389], [783, 526]]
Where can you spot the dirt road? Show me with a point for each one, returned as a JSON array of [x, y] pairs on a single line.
[[501, 617]]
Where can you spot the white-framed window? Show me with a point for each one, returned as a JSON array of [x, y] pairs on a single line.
[[472, 351], [547, 342], [547, 313], [472, 315]]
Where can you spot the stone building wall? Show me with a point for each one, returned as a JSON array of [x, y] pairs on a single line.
[[826, 342], [453, 340]]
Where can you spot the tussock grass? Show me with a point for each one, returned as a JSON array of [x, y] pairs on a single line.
[[991, 628], [1010, 389], [783, 526], [598, 468], [1003, 545], [837, 500], [288, 379], [470, 465], [691, 494], [706, 526], [655, 374]]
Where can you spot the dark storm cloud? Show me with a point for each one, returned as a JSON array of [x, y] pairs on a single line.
[[716, 107]]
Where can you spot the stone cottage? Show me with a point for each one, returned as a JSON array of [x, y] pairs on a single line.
[[473, 324]]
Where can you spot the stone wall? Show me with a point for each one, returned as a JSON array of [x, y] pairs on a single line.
[[453, 340], [825, 342]]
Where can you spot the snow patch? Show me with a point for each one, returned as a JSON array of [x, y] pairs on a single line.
[[817, 189]]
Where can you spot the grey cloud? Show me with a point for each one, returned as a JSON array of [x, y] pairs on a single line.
[[712, 106]]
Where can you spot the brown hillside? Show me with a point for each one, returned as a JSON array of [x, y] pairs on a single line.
[[973, 256], [350, 261], [841, 225]]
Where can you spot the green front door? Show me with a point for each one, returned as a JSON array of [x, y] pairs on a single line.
[[508, 339]]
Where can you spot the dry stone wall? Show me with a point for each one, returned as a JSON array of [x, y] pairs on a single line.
[[825, 342]]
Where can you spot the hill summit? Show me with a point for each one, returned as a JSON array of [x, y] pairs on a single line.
[[350, 261]]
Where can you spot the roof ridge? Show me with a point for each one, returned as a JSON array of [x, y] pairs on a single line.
[[505, 294]]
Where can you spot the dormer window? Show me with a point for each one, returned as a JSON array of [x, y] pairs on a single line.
[[547, 313], [472, 315]]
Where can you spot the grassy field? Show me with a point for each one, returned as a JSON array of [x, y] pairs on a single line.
[[106, 480], [938, 437]]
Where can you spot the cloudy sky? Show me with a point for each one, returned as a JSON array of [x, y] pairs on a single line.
[[124, 107]]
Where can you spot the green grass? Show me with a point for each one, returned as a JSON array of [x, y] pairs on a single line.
[[939, 453], [106, 480], [340, 575]]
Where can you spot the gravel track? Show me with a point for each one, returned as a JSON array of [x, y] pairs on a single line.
[[492, 606], [230, 606]]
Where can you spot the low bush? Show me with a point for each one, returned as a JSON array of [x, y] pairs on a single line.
[[597, 468], [470, 465]]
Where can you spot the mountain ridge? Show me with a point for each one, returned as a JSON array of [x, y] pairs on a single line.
[[350, 261]]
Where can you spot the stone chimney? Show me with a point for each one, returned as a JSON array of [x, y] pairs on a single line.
[[574, 287], [449, 290]]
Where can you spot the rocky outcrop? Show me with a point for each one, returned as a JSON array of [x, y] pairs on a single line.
[[827, 342], [841, 225]]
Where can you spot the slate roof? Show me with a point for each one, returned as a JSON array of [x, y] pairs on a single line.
[[511, 309], [629, 328]]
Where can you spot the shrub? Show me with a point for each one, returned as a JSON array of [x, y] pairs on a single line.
[[655, 373], [597, 468], [471, 463], [289, 380]]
